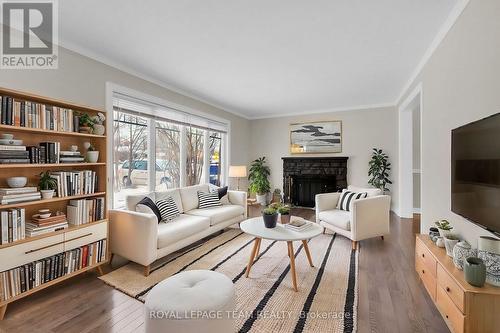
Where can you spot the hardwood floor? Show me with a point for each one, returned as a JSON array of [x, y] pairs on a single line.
[[391, 298]]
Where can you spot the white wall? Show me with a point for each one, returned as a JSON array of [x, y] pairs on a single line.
[[460, 84], [82, 80], [362, 130]]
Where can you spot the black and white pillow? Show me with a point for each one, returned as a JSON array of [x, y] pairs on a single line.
[[168, 209], [207, 200], [347, 198], [146, 205]]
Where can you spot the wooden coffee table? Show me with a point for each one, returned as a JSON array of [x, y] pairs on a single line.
[[255, 227]]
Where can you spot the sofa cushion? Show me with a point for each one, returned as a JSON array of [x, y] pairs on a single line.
[[180, 228], [189, 196], [148, 206], [168, 209], [219, 214], [371, 191], [208, 200], [337, 218], [175, 194], [132, 200]]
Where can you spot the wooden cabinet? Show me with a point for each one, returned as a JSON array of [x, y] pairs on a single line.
[[464, 308]]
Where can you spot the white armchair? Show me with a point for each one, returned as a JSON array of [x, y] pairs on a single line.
[[368, 217]]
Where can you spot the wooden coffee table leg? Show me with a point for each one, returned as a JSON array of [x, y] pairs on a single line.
[[252, 256], [258, 248], [292, 265], [306, 248]]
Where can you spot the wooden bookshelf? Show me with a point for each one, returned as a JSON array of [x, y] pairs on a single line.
[[73, 234]]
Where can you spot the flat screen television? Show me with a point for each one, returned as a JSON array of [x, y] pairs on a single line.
[[475, 172]]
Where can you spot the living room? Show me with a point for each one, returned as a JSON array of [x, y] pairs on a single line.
[[327, 166]]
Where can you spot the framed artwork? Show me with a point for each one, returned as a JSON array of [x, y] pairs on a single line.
[[316, 137]]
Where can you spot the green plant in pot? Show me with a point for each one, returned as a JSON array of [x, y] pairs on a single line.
[[92, 154], [444, 227], [270, 216], [87, 123], [47, 185], [258, 177], [378, 171], [284, 211]]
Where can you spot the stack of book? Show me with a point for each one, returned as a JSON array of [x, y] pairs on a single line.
[[66, 156], [298, 224], [85, 210], [12, 152], [24, 278], [75, 182], [12, 224], [39, 226], [16, 195], [37, 115], [52, 150]]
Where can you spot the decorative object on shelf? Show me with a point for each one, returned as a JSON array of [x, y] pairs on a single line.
[[87, 123], [440, 241], [433, 233], [99, 120], [474, 271], [237, 171], [259, 179], [44, 213], [316, 137], [7, 136], [489, 252], [449, 243], [444, 227], [379, 167], [47, 185], [17, 182], [461, 252], [73, 148], [92, 155], [270, 216]]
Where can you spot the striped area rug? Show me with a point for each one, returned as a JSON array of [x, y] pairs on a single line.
[[327, 296]]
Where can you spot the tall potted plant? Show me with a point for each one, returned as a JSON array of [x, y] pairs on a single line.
[[258, 177], [379, 167]]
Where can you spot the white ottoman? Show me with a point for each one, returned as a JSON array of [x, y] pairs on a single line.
[[191, 302]]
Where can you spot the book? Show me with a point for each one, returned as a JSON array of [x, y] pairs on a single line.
[[9, 147], [34, 197], [298, 224], [19, 190]]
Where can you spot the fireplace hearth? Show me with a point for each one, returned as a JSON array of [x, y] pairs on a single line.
[[304, 177]]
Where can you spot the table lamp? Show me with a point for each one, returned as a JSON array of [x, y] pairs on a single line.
[[237, 171]]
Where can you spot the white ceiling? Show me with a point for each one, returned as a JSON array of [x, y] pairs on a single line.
[[262, 57]]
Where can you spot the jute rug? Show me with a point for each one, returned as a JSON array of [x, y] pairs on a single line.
[[327, 296]]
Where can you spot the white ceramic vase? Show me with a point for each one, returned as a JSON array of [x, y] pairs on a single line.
[[489, 252], [99, 129], [449, 244], [92, 156]]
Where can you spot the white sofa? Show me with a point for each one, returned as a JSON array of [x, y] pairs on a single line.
[[369, 217], [140, 238]]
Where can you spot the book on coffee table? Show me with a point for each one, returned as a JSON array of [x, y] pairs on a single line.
[[298, 224]]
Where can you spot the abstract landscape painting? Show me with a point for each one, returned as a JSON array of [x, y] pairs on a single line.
[[317, 137]]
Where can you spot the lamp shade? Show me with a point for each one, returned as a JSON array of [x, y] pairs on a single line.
[[237, 171]]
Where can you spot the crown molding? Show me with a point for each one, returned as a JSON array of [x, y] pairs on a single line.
[[443, 31]]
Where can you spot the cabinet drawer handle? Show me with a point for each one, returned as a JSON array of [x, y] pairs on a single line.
[[423, 272], [423, 255], [78, 237], [446, 316], [448, 289], [58, 243]]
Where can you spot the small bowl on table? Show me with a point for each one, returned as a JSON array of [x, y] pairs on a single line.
[[17, 182]]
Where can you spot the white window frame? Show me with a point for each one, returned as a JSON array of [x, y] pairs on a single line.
[[112, 88]]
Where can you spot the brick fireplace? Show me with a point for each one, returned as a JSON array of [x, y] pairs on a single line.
[[304, 177]]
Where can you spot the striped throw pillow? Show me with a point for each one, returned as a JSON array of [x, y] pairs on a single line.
[[207, 200], [347, 198], [168, 209]]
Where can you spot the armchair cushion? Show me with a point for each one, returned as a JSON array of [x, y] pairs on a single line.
[[180, 228], [336, 217], [347, 198]]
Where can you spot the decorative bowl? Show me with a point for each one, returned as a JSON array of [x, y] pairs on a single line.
[[7, 136], [44, 213], [16, 182]]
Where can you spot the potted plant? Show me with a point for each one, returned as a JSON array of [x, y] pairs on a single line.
[[92, 154], [444, 227], [284, 211], [47, 185], [258, 177], [379, 168], [270, 216], [86, 123], [99, 128]]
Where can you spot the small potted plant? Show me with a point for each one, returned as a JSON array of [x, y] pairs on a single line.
[[270, 216], [444, 228], [47, 185], [99, 128], [92, 154], [87, 123], [284, 211]]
